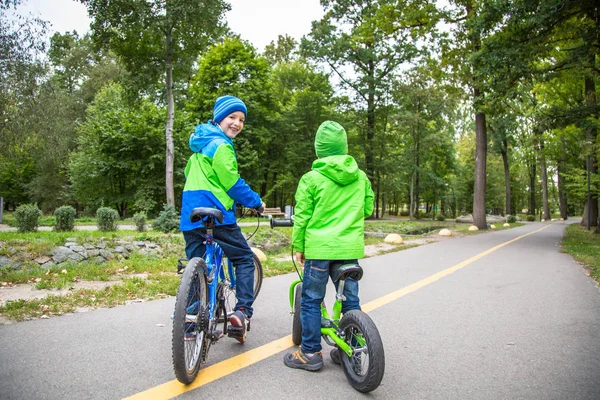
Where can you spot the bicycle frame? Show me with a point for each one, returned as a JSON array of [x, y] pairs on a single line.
[[331, 329]]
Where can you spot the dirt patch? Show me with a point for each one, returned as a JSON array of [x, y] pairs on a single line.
[[27, 291]]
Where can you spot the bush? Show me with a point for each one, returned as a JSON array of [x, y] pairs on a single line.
[[511, 219], [167, 221], [440, 217], [140, 221], [28, 217], [531, 218], [107, 218], [65, 218]]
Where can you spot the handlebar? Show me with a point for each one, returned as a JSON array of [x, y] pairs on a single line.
[[280, 222]]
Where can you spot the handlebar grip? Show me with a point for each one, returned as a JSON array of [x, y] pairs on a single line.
[[280, 222]]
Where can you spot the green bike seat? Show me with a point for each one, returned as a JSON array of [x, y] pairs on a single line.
[[345, 271]]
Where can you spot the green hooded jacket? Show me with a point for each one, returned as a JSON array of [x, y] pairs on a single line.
[[332, 201]]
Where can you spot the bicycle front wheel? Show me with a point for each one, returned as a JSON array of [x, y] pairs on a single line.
[[190, 322], [364, 369], [228, 292]]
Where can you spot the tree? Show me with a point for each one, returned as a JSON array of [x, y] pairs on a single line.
[[158, 38], [108, 167], [364, 43]]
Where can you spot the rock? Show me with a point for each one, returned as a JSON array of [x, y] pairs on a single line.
[[120, 249], [4, 261], [506, 225], [259, 253], [61, 254], [89, 246], [473, 228], [78, 249], [393, 238], [445, 232], [106, 254], [42, 260], [493, 226]]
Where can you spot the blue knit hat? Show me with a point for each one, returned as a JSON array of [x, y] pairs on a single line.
[[226, 105]]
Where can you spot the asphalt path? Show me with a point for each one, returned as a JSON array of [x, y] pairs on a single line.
[[500, 315]]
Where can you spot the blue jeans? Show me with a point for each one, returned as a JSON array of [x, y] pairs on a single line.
[[316, 275], [233, 243]]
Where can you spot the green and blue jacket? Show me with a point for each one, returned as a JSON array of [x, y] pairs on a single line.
[[212, 178]]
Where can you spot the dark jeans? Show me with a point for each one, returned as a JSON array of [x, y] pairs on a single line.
[[233, 243], [316, 275]]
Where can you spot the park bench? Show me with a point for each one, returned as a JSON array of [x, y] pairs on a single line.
[[274, 211]]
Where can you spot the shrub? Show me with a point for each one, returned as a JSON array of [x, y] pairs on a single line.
[[28, 217], [511, 219], [531, 218], [140, 221], [65, 218], [167, 221], [107, 218], [440, 217]]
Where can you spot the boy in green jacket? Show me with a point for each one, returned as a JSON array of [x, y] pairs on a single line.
[[332, 201]]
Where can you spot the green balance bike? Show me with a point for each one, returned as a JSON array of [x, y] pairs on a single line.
[[354, 336]]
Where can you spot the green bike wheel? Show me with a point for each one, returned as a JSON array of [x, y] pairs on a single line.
[[296, 323], [190, 322], [365, 368]]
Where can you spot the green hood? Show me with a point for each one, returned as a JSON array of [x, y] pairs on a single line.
[[331, 140], [343, 170]]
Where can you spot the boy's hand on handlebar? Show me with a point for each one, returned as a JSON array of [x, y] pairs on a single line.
[[261, 209], [300, 258]]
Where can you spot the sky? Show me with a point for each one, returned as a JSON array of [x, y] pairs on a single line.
[[258, 21]]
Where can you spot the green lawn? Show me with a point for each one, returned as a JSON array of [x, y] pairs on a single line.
[[584, 246]]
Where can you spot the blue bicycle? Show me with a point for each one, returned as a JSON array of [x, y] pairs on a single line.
[[205, 298]]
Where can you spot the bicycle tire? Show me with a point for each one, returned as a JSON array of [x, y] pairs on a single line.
[[296, 322], [229, 298], [364, 369], [191, 301]]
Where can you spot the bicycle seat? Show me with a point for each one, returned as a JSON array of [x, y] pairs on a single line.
[[199, 213], [345, 271]]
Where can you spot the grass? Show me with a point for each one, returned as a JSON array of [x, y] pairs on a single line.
[[584, 247], [8, 218], [161, 278]]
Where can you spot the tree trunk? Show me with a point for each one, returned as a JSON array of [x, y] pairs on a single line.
[[506, 175], [370, 123], [562, 195], [591, 206], [532, 175], [544, 183], [170, 154], [480, 171]]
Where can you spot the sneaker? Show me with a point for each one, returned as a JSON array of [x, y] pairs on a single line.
[[335, 356], [303, 361], [239, 325]]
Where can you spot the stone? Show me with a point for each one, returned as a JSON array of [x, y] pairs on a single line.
[[89, 246], [445, 232], [61, 254], [473, 228], [78, 249], [493, 226], [506, 225], [42, 260], [106, 254], [259, 253], [120, 249], [4, 262], [393, 238]]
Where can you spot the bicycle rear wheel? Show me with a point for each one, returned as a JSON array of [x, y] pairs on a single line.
[[190, 322], [365, 368], [228, 293]]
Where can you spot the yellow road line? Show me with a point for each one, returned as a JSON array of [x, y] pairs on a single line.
[[206, 375]]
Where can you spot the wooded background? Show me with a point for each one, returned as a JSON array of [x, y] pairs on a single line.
[[472, 107]]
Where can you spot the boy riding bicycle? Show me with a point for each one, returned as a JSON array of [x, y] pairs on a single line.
[[212, 180], [332, 201]]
